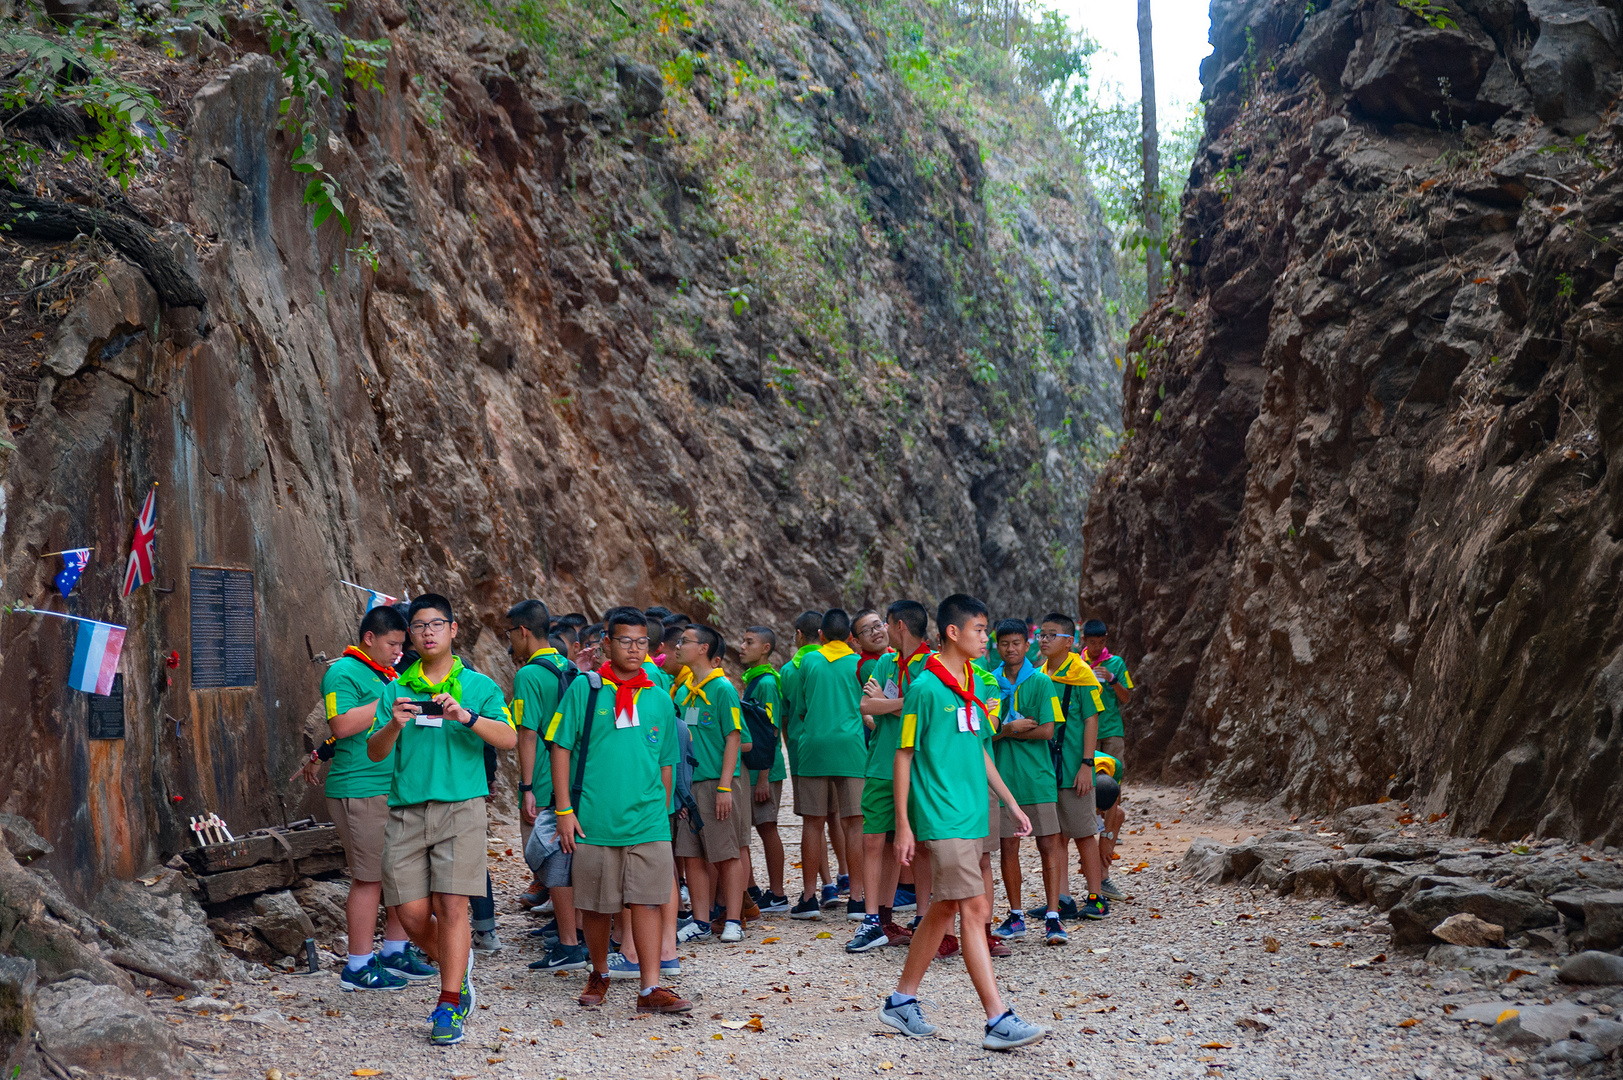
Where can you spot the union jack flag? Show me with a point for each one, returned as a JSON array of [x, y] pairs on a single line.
[[143, 548]]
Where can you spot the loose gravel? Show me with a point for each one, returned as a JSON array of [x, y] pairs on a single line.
[[1178, 982]]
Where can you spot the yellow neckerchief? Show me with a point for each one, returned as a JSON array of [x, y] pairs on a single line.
[[687, 684], [1073, 672], [545, 650], [836, 650]]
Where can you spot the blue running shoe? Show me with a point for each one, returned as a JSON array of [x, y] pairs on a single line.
[[906, 899], [670, 968], [446, 1025], [831, 895], [845, 885], [372, 976], [1054, 933], [1009, 1031], [621, 968], [1012, 927], [1094, 907], [410, 964]]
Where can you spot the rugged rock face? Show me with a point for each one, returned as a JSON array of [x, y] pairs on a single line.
[[1363, 539], [757, 331]]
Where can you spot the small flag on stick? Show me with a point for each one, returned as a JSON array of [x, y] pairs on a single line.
[[95, 651], [373, 597], [143, 548], [74, 561]]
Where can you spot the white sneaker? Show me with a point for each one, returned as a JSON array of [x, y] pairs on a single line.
[[733, 932]]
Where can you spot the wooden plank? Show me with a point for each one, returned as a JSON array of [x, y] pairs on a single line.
[[218, 888], [253, 850]]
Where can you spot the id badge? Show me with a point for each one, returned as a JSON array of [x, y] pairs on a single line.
[[967, 719], [690, 716], [625, 720], [892, 691], [430, 721]]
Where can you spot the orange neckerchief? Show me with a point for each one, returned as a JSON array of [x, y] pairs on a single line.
[[625, 692], [388, 673]]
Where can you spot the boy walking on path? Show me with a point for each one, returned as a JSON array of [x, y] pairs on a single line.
[[941, 775], [1081, 703], [1030, 715], [358, 800], [708, 705], [435, 721], [613, 746], [541, 673], [1117, 684], [761, 685], [832, 755]]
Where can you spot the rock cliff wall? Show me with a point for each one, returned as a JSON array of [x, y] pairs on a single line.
[[725, 312], [1363, 539]]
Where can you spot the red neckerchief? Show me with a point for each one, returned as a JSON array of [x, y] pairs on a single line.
[[625, 691], [387, 673], [865, 656], [970, 700], [905, 676], [1104, 654]]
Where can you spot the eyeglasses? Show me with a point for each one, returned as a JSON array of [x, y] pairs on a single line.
[[512, 629], [874, 627], [1046, 636], [631, 642], [435, 626]]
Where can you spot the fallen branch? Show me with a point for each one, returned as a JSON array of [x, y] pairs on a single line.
[[129, 963], [46, 219]]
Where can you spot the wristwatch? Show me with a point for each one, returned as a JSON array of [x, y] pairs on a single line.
[[526, 787], [472, 719], [1087, 761]]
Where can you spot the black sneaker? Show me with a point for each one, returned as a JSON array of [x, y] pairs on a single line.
[[772, 904], [808, 908], [755, 894], [1067, 909], [856, 910], [870, 936], [563, 958]]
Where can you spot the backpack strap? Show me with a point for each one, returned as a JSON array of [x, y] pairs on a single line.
[[750, 686], [595, 681], [558, 672]]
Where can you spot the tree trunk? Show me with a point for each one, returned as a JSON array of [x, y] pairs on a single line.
[[47, 219], [1152, 156]]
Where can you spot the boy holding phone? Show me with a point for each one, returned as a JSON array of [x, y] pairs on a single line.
[[436, 721]]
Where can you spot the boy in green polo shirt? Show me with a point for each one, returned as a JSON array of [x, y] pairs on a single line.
[[907, 622], [1081, 703], [941, 776], [761, 685], [708, 705], [1029, 716], [542, 670], [435, 721], [1117, 684], [833, 754], [619, 832], [358, 800]]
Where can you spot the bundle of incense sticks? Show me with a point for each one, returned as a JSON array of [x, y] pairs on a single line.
[[210, 829]]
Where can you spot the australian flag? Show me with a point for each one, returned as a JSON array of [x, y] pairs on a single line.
[[73, 564]]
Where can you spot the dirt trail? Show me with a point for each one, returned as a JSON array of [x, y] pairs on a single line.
[[1155, 990]]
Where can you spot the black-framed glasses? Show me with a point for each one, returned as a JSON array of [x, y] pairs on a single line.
[[433, 625], [631, 642], [1049, 636]]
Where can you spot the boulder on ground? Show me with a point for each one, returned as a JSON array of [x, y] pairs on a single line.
[[26, 844], [162, 925], [1571, 66], [18, 983], [1571, 1051], [1413, 917], [1530, 1025], [282, 923], [1207, 861], [1466, 929], [1598, 913], [1594, 968], [1606, 1034], [104, 1029]]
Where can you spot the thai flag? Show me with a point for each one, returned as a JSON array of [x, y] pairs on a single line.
[[95, 657], [139, 570], [73, 564], [377, 599]]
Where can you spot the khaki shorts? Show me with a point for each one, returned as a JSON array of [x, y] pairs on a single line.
[[434, 847], [721, 839], [684, 841], [360, 826], [828, 796], [1116, 747], [609, 878], [955, 869], [766, 813], [1044, 820], [1078, 818], [989, 842]]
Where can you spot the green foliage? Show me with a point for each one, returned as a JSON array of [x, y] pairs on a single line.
[[431, 100], [1434, 15]]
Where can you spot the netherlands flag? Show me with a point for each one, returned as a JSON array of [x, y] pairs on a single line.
[[95, 656]]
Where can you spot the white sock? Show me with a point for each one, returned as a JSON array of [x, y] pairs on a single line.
[[1053, 915], [391, 946], [650, 990], [358, 960]]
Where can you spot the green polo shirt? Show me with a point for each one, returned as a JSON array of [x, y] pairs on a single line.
[[947, 780], [1086, 700], [831, 733], [349, 683], [887, 727], [767, 692], [622, 798], [1110, 721], [711, 713], [1026, 765], [789, 688], [444, 763], [535, 699]]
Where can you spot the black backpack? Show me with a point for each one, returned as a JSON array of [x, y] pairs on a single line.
[[565, 675], [594, 681], [763, 735], [1056, 745]]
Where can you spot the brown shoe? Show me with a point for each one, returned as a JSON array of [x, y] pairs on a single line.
[[597, 988], [661, 1000], [751, 910], [948, 947], [897, 935], [997, 946]]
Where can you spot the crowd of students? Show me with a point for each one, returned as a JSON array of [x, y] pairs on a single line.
[[643, 769]]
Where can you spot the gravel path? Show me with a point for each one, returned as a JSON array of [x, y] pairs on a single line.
[[1178, 982]]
